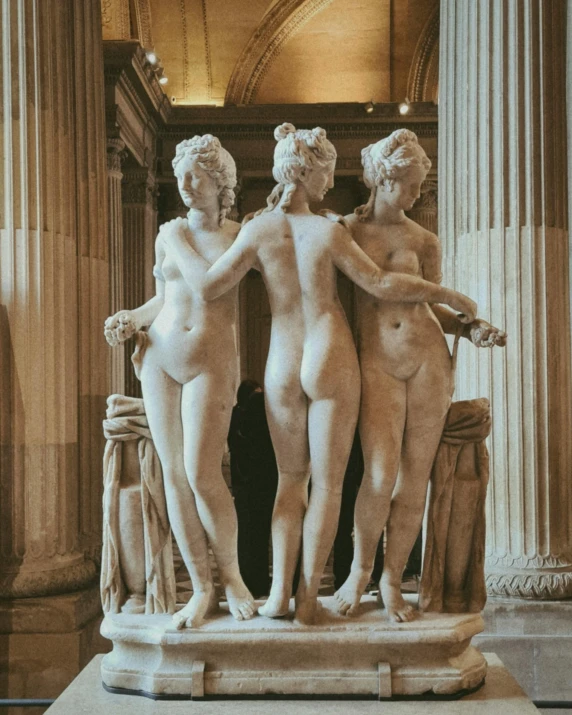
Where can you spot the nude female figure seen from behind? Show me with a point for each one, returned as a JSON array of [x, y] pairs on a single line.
[[312, 379], [189, 376], [407, 375]]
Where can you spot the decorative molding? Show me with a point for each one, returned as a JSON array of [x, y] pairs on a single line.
[[424, 72], [207, 50], [185, 53], [106, 10], [544, 586], [529, 562], [279, 24], [139, 187], [143, 23]]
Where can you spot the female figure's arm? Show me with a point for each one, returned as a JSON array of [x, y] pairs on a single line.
[[211, 281], [479, 332], [394, 287], [124, 324]]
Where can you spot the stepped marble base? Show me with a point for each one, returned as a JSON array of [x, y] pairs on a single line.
[[363, 656]]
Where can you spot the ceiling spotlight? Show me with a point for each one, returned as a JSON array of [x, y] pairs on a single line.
[[163, 80], [369, 107], [152, 57], [405, 106]]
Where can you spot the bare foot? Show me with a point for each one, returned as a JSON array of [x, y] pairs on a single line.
[[192, 615], [397, 607], [276, 605], [349, 595], [240, 600], [307, 611]]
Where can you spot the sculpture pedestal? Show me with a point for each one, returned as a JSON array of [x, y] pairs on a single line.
[[363, 656]]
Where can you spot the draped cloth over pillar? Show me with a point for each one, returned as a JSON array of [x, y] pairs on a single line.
[[125, 421], [453, 569]]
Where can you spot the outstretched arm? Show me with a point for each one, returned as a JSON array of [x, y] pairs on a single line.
[[394, 287], [479, 332], [211, 281]]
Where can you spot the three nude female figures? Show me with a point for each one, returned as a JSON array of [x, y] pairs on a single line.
[[312, 378]]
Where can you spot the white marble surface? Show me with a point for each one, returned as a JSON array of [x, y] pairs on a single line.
[[361, 656], [500, 694]]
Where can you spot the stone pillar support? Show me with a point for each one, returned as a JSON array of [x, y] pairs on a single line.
[[139, 233], [115, 155], [425, 210], [53, 295], [503, 220]]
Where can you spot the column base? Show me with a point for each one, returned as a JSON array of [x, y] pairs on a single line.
[[545, 585], [365, 656], [45, 642]]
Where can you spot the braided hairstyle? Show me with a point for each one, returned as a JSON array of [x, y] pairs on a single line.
[[296, 150], [209, 154], [387, 160]]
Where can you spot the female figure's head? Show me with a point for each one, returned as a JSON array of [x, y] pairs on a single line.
[[203, 170], [396, 165], [301, 156]]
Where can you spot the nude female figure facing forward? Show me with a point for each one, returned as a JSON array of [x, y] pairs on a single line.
[[407, 376], [312, 379], [189, 377]]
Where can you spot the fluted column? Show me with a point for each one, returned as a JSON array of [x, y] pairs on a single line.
[[425, 210], [53, 295], [139, 232], [503, 220], [115, 156]]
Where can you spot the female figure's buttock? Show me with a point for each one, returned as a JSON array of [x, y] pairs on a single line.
[[329, 361]]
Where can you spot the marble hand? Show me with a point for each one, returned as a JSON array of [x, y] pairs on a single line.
[[120, 327], [485, 335]]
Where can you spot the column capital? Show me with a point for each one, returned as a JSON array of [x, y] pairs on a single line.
[[115, 154]]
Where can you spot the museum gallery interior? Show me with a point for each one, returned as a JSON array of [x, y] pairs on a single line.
[[113, 114]]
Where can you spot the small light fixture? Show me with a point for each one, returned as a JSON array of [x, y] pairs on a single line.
[[152, 57], [163, 80], [369, 107], [405, 106]]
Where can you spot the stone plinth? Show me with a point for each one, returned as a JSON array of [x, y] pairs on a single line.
[[363, 656], [500, 694]]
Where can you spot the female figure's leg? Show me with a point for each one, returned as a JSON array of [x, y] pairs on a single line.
[[206, 406], [287, 414], [331, 428], [428, 401], [381, 424], [162, 397]]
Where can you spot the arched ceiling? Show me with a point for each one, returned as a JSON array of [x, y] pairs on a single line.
[[281, 51]]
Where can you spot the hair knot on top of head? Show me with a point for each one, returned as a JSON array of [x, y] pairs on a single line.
[[386, 161], [283, 130], [297, 151], [209, 154]]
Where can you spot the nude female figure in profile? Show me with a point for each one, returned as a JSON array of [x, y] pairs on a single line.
[[188, 378], [406, 369], [312, 379]]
